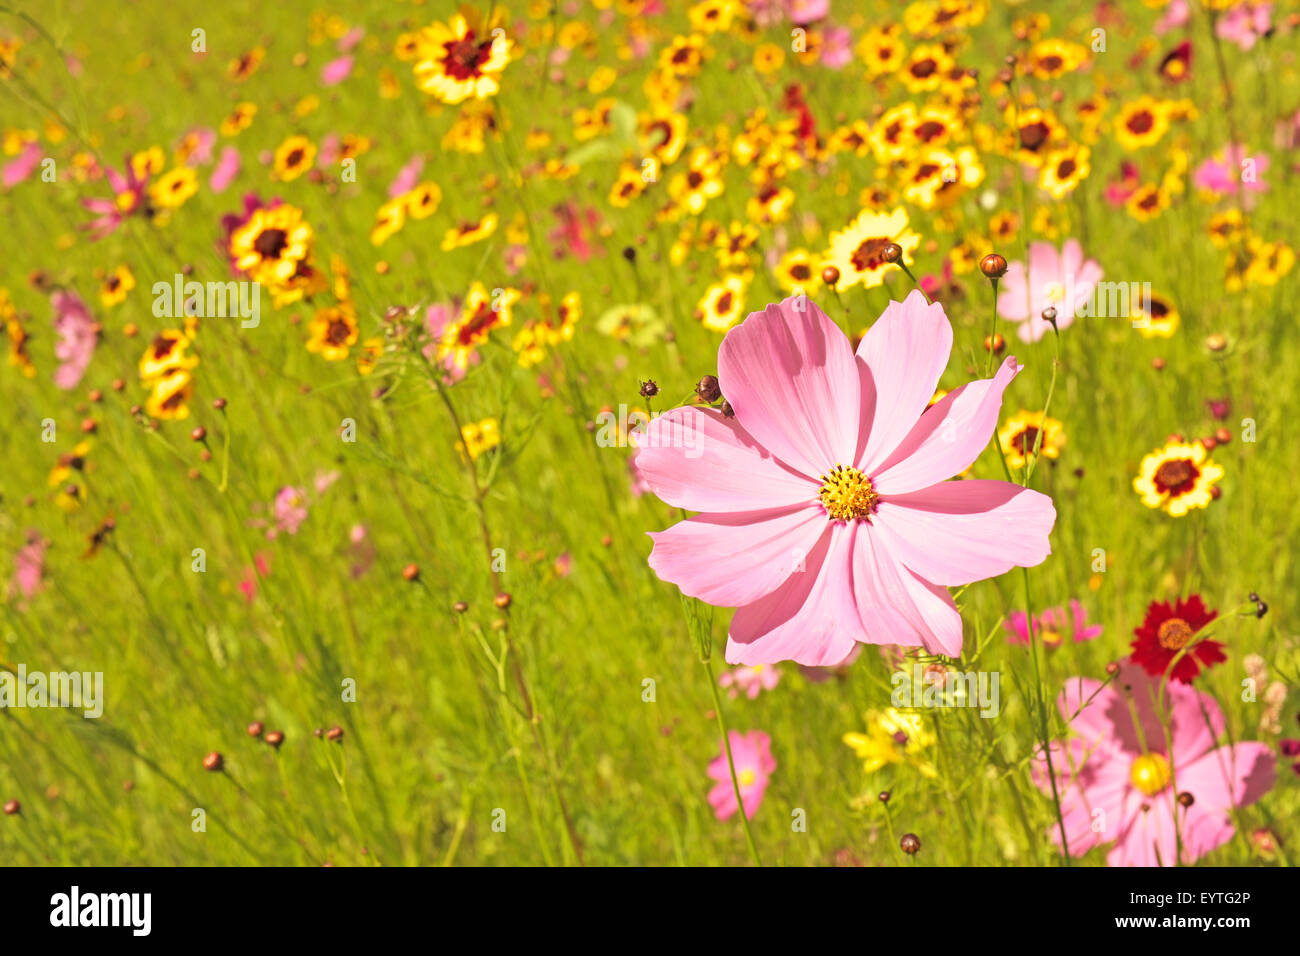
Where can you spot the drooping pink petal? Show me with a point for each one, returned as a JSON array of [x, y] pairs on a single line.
[[957, 532], [789, 374], [895, 605], [694, 458], [904, 353], [949, 436], [807, 619], [730, 560]]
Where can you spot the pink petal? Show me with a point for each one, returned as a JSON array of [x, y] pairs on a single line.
[[336, 71], [806, 619], [730, 560], [904, 353], [896, 606], [694, 458], [1224, 778], [957, 532], [791, 379], [949, 436]]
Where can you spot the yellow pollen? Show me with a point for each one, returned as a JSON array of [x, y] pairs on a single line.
[[1174, 634], [1054, 291], [746, 778], [847, 494], [1150, 773]]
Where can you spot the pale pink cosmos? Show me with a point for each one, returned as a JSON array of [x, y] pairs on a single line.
[[837, 48], [336, 71], [803, 12], [1176, 15], [78, 336], [29, 566], [1232, 169], [1101, 801], [289, 509], [226, 170], [818, 675], [128, 198], [752, 755], [1061, 279], [751, 680], [407, 177], [348, 42], [1245, 23], [1053, 626], [808, 586], [21, 166]]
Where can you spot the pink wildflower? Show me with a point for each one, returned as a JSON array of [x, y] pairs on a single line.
[[1062, 280], [752, 680], [1120, 782], [78, 336], [752, 755]]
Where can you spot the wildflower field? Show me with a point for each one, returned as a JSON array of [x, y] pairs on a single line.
[[649, 432]]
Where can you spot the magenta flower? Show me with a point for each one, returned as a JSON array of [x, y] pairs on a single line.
[[29, 566], [128, 199], [752, 755], [1053, 626], [826, 516], [1062, 280], [78, 336], [336, 71], [752, 680], [1120, 782], [1223, 173]]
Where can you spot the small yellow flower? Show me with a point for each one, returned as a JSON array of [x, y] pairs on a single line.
[[116, 286], [172, 190], [893, 737], [479, 437], [1026, 430]]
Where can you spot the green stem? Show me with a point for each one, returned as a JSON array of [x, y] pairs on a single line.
[[731, 765]]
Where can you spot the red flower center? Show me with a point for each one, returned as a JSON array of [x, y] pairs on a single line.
[[1176, 477]]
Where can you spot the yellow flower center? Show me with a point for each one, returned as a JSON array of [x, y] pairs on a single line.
[[1174, 634], [1054, 291], [1150, 773], [746, 778], [847, 494]]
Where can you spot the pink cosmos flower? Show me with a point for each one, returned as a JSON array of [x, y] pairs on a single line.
[[22, 166], [436, 319], [336, 71], [1117, 781], [1176, 15], [826, 514], [752, 680], [837, 48], [1222, 173], [1063, 280], [752, 755], [818, 675], [1052, 626], [78, 337], [128, 199], [348, 42], [407, 177], [803, 12], [290, 510], [29, 566], [1245, 23], [362, 550], [226, 170]]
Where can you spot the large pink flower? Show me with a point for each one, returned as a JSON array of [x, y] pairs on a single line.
[[1062, 280], [826, 517], [1118, 782], [752, 755]]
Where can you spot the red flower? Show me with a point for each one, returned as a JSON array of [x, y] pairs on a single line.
[[1167, 629]]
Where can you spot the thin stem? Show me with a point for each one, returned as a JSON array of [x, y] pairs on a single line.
[[731, 765]]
